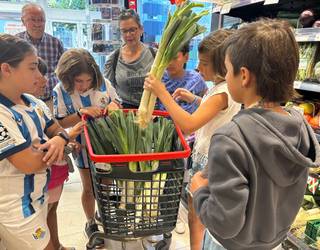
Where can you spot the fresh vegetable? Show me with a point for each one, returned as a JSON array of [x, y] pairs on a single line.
[[123, 134], [180, 28]]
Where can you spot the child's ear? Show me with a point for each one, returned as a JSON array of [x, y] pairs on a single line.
[[5, 69], [246, 77]]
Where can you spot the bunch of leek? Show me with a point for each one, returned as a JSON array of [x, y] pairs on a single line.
[[180, 28], [119, 133]]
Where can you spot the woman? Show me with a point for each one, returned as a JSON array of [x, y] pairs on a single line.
[[127, 67]]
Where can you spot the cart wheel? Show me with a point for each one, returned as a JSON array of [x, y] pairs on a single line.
[[165, 243]]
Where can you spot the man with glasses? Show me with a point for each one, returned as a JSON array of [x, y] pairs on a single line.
[[49, 48]]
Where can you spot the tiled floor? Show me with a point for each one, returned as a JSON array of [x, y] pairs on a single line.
[[71, 221]]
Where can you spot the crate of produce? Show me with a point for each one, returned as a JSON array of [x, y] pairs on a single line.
[[137, 194]]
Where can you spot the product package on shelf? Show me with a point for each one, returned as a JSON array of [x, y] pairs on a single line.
[[308, 57]]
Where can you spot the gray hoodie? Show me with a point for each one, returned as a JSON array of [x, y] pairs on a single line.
[[258, 168]]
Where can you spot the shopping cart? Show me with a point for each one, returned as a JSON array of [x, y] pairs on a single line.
[[133, 205]]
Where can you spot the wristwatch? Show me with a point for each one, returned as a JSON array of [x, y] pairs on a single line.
[[64, 135]]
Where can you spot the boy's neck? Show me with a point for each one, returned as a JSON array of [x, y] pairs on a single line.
[[177, 75]]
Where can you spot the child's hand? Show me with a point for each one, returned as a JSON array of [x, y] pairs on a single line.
[[184, 95], [154, 85], [91, 111], [112, 106], [197, 182], [76, 130], [54, 150]]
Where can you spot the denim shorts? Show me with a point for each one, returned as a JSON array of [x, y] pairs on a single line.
[[209, 244]]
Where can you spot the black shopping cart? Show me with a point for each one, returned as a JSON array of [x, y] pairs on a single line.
[[133, 205]]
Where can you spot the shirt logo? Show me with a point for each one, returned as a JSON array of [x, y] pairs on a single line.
[[39, 233], [6, 141]]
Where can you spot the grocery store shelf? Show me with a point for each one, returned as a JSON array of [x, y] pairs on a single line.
[[308, 86], [235, 4], [308, 35]]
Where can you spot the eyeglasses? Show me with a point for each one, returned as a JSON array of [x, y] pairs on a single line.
[[129, 31]]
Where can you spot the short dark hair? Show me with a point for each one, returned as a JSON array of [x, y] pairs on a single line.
[[42, 66], [73, 63], [13, 49], [185, 49], [126, 14], [213, 45], [268, 49]]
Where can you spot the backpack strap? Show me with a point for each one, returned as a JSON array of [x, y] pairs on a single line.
[[115, 59], [153, 52]]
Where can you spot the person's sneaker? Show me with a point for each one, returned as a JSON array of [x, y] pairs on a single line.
[[90, 228], [180, 227]]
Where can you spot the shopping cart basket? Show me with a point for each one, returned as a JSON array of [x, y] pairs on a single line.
[[137, 204]]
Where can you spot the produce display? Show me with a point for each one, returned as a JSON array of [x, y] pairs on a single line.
[[307, 54], [180, 28], [310, 110]]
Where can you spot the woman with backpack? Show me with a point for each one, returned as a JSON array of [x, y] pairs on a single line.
[[127, 67]]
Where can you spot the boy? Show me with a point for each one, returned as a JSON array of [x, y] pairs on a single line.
[[258, 163], [176, 77]]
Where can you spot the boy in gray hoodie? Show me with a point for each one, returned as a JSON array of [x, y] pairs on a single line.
[[258, 163]]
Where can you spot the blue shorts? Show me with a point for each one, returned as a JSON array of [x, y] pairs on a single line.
[[209, 244]]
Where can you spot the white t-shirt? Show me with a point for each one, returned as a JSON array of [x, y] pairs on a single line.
[[65, 104], [204, 134], [21, 195]]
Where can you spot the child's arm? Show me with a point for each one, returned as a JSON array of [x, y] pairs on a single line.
[[222, 204], [73, 119], [76, 130], [186, 95], [18, 149], [187, 122]]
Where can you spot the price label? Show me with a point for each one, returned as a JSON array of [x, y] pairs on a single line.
[[267, 2], [301, 38], [317, 38], [226, 8], [297, 84]]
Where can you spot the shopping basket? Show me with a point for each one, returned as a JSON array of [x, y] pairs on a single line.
[[154, 211]]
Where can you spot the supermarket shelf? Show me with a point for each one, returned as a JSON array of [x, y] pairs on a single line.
[[308, 86], [233, 5], [308, 35], [105, 21]]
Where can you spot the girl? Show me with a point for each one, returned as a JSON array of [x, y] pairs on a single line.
[[216, 108], [59, 171], [82, 90], [25, 151]]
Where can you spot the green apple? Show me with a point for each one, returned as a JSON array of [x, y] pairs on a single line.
[[307, 107]]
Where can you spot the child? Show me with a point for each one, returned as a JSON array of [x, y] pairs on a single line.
[[258, 163], [216, 109], [82, 90], [25, 151], [177, 77], [59, 171]]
